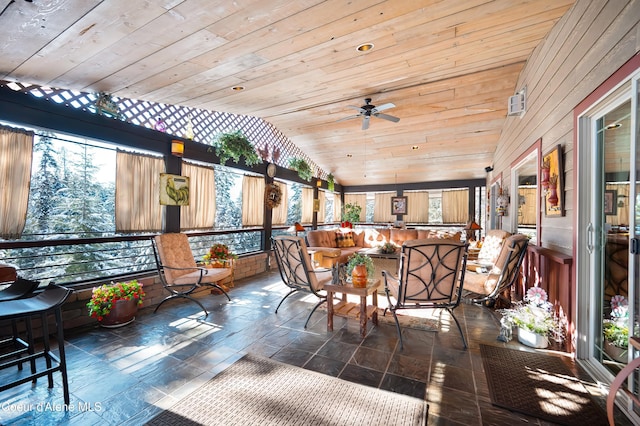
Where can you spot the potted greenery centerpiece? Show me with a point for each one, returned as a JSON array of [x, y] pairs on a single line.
[[350, 214], [616, 330], [233, 145], [116, 304], [360, 267], [534, 318], [302, 167], [219, 256], [388, 248]]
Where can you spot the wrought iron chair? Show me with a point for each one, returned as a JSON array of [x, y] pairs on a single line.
[[487, 287], [178, 271], [296, 271], [430, 277]]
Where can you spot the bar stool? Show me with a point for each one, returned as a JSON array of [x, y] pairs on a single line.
[[48, 302], [18, 289]]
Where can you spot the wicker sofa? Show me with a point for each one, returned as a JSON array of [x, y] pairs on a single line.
[[336, 245]]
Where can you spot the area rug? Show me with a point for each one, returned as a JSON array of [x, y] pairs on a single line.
[[260, 391], [538, 385]]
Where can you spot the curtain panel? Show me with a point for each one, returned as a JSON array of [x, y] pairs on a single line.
[[253, 188], [307, 205], [201, 211], [337, 208], [622, 204], [138, 192], [361, 200], [322, 201], [382, 207], [279, 214], [16, 157], [455, 206], [417, 207], [527, 206]]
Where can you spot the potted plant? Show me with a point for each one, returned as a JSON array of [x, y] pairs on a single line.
[[116, 304], [219, 256], [350, 214], [360, 267], [233, 145], [535, 319], [302, 167], [388, 248], [616, 329], [331, 182]]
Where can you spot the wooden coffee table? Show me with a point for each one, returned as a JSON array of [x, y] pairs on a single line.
[[350, 309]]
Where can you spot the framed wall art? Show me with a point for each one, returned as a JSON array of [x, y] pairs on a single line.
[[552, 182], [399, 205], [174, 190], [610, 202]]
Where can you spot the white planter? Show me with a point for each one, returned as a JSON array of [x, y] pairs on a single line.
[[532, 339]]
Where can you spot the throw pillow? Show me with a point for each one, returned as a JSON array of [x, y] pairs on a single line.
[[345, 239]]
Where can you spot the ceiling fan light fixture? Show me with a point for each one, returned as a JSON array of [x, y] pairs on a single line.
[[415, 147], [364, 47]]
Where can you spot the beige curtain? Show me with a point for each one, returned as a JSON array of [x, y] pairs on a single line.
[[322, 201], [138, 192], [455, 206], [16, 156], [307, 205], [253, 188], [337, 208], [527, 205], [359, 199], [417, 207], [279, 214], [382, 207], [201, 211]]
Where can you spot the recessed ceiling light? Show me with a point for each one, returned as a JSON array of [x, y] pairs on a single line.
[[237, 88], [613, 126], [415, 147], [349, 155], [364, 47]]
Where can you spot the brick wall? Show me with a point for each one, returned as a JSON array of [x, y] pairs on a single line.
[[75, 313]]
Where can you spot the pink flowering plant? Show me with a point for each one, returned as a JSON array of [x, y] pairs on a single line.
[[534, 314], [616, 329], [104, 297], [218, 252]]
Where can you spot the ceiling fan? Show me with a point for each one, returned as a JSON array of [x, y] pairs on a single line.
[[367, 110]]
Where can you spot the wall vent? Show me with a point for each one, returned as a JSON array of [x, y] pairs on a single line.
[[518, 103]]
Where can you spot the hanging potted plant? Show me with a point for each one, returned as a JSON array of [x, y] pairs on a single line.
[[534, 318], [360, 267], [116, 304], [301, 166], [331, 183], [233, 145], [616, 330]]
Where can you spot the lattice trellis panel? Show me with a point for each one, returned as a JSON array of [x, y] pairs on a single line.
[[270, 143]]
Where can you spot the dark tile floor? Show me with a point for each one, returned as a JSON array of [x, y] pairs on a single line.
[[122, 376]]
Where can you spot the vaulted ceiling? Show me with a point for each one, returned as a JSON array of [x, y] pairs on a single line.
[[448, 66]]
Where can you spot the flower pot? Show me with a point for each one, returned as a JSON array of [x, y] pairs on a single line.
[[553, 196], [122, 313], [532, 339], [616, 353], [359, 276]]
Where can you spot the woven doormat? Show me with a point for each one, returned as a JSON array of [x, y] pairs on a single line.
[[538, 385], [260, 391]]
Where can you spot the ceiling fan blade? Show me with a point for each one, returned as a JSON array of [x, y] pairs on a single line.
[[365, 122], [383, 107], [349, 118], [356, 108], [387, 117]]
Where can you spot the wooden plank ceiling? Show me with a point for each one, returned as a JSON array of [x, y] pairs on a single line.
[[448, 66]]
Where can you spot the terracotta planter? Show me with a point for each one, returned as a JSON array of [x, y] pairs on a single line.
[[553, 196], [122, 313], [359, 276], [532, 339]]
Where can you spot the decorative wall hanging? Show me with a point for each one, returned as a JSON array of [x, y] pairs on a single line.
[[174, 190], [610, 203], [398, 205], [272, 195], [554, 186], [502, 203], [105, 105]]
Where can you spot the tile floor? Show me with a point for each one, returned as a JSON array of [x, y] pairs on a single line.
[[119, 376]]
